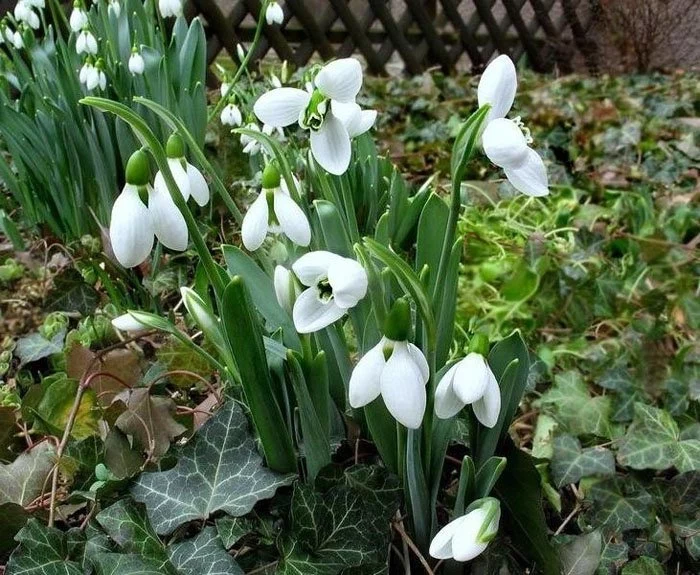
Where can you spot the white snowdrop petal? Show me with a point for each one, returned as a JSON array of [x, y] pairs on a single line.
[[255, 223], [180, 176], [340, 80], [348, 279], [168, 222], [310, 314], [420, 361], [403, 389], [330, 146], [292, 219], [283, 287], [530, 177], [497, 87], [313, 266], [447, 404], [130, 228], [441, 545], [471, 378], [281, 107], [465, 545], [198, 185], [504, 143], [364, 386], [127, 322], [488, 408]]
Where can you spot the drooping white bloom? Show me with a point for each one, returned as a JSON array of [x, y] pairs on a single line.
[[23, 13], [231, 115], [469, 381], [114, 8], [274, 14], [17, 40], [39, 4], [506, 142], [334, 285], [86, 42], [127, 322], [169, 224], [136, 63], [468, 536], [286, 218], [101, 78], [240, 52], [251, 146], [170, 8], [317, 111], [85, 71], [286, 288], [189, 180], [400, 380], [78, 18], [130, 228], [92, 77]]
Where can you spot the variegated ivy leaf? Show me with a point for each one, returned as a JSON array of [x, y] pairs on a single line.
[[126, 522], [569, 401], [126, 564], [581, 556], [612, 557], [219, 469], [42, 551], [653, 442], [570, 463], [619, 504], [643, 566], [344, 528], [22, 481], [203, 555]]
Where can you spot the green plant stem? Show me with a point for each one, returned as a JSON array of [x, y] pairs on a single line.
[[244, 64]]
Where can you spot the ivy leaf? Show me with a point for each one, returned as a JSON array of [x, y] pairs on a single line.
[[653, 442], [643, 566], [627, 392], [14, 517], [345, 527], [203, 555], [72, 294], [681, 495], [219, 469], [125, 564], [570, 463], [35, 346], [149, 419], [569, 402], [42, 551], [620, 504], [57, 402], [582, 555], [612, 557], [22, 481], [126, 522], [232, 529]]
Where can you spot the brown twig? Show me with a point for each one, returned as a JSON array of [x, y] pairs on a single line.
[[398, 525]]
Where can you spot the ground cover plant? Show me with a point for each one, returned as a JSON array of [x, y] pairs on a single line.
[[361, 350]]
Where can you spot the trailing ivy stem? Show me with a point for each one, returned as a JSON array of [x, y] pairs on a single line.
[[244, 64], [82, 386]]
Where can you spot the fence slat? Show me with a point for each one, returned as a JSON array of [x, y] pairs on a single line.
[[426, 24], [309, 23], [358, 35], [413, 66], [526, 37], [466, 37]]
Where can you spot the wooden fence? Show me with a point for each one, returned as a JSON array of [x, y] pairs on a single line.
[[414, 34], [409, 34]]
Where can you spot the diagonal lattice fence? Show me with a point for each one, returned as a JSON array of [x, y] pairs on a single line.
[[411, 34]]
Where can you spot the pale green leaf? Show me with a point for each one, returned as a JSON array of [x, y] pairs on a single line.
[[570, 463]]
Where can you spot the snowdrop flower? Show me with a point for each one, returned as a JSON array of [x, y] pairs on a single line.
[[466, 537], [317, 111], [23, 13], [170, 8], [240, 52], [85, 71], [286, 288], [78, 17], [114, 8], [189, 179], [334, 285], [251, 146], [39, 4], [274, 14], [231, 115], [395, 369], [86, 42], [127, 322], [286, 217], [136, 63], [17, 40], [100, 75], [224, 89], [469, 381], [506, 142]]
